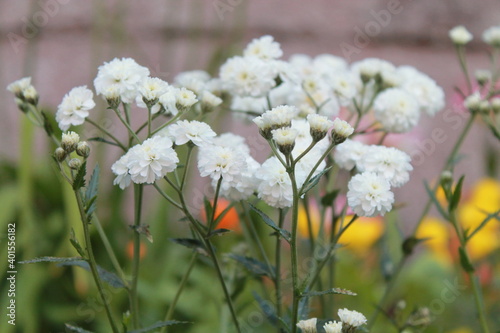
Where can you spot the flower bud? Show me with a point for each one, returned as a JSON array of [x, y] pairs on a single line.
[[285, 139], [75, 163], [30, 95], [60, 154], [70, 141], [473, 102], [446, 177], [319, 126], [483, 76], [83, 149], [341, 131], [460, 35], [112, 96], [484, 106]]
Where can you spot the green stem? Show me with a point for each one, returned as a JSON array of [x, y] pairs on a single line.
[[182, 284], [463, 65], [126, 124], [277, 277], [138, 194], [478, 300], [211, 225], [90, 121], [177, 116], [92, 262], [294, 253]]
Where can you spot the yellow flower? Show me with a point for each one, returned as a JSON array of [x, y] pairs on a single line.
[[482, 244], [438, 233], [302, 223], [362, 234]]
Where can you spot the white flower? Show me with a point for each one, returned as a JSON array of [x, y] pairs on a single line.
[[185, 98], [248, 76], [197, 132], [275, 187], [151, 160], [120, 169], [473, 102], [348, 153], [243, 185], [396, 110], [491, 36], [125, 74], [460, 35], [69, 141], [351, 317], [264, 48], [152, 88], [209, 100], [389, 162], [74, 107], [232, 140], [333, 327], [280, 116], [341, 130], [328, 65], [428, 94], [193, 80], [319, 126], [18, 86], [369, 194], [308, 326], [369, 68], [346, 86], [217, 161], [285, 136]]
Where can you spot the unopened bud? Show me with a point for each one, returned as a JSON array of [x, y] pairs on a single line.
[[341, 131], [30, 95], [495, 104], [60, 154], [446, 177], [83, 149], [484, 106], [75, 163], [483, 76], [69, 141]]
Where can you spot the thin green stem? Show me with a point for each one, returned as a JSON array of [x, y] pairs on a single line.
[[167, 197], [186, 167], [92, 262], [478, 300], [294, 252], [150, 120], [309, 176], [177, 116], [127, 125], [277, 277], [211, 225], [138, 194], [90, 121], [463, 65], [182, 284]]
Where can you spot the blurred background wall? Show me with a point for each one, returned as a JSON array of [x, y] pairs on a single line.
[[60, 43]]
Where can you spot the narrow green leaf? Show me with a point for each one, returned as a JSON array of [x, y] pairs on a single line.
[[314, 180], [91, 191], [267, 308], [328, 199], [50, 259], [159, 324], [432, 196], [255, 266], [208, 208], [99, 139], [484, 222], [76, 244], [220, 216], [110, 278], [267, 220], [71, 328], [336, 291], [464, 261], [410, 243], [79, 180], [191, 243], [457, 193], [218, 232]]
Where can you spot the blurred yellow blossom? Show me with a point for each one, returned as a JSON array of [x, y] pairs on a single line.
[[314, 214], [438, 234], [362, 234]]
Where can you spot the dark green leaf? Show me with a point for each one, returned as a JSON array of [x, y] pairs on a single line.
[[110, 278], [410, 243], [218, 232], [193, 244], [91, 191], [455, 199], [433, 198], [46, 124], [337, 291], [328, 199], [255, 266], [464, 261], [50, 259], [76, 244], [79, 180], [222, 214], [71, 328], [208, 208], [314, 180], [268, 309], [159, 324], [267, 220]]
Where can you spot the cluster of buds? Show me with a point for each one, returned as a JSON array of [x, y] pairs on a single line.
[[71, 143], [25, 93]]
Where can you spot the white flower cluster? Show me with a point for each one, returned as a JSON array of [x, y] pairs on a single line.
[[74, 107], [145, 163], [350, 320], [369, 193]]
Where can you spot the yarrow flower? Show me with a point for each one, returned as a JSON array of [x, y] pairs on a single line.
[[125, 75], [319, 126], [120, 169], [264, 48], [351, 318], [183, 131], [17, 87], [308, 326], [333, 327], [460, 35], [275, 186], [151, 89], [285, 139], [349, 153], [396, 110], [491, 36], [74, 107], [280, 116], [341, 130], [369, 194], [389, 162], [218, 161], [69, 141]]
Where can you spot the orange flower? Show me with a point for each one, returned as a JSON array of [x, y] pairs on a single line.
[[130, 250], [229, 221]]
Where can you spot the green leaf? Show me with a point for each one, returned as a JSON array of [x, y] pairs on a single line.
[[159, 324], [79, 180], [76, 244], [218, 232], [71, 328], [91, 191], [410, 243], [464, 261], [483, 223], [314, 180], [221, 215], [268, 309], [50, 259], [256, 267], [433, 198], [99, 139], [328, 199], [191, 243], [267, 220], [337, 291], [208, 208], [110, 278], [455, 199]]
